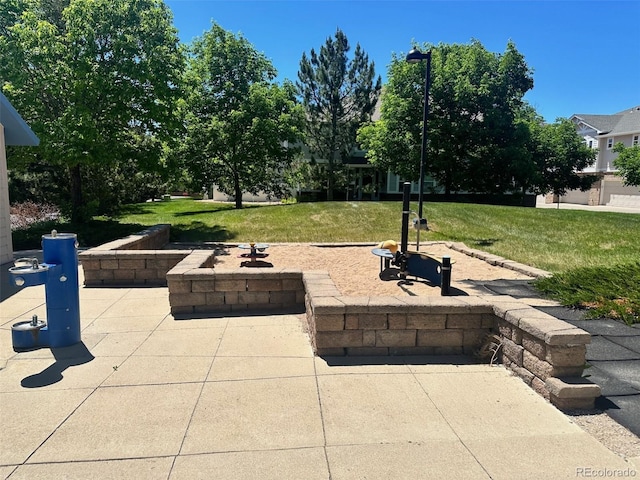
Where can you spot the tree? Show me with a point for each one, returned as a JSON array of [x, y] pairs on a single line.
[[97, 80], [474, 141], [339, 95], [241, 127], [560, 155], [628, 163]]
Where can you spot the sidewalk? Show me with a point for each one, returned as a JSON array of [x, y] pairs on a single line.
[[147, 396], [540, 203], [613, 355]]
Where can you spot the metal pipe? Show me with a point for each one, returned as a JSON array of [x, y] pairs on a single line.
[[425, 117], [445, 276], [406, 197]]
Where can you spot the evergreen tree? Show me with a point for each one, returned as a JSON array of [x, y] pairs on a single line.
[[339, 95]]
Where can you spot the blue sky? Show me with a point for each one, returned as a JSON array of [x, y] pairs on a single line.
[[585, 54]]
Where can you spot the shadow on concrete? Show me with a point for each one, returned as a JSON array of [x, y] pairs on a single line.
[[7, 288], [348, 361], [66, 357]]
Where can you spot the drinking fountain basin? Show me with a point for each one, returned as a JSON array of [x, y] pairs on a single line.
[[28, 274]]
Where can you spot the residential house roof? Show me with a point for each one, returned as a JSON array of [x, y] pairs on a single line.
[[16, 130], [622, 123]]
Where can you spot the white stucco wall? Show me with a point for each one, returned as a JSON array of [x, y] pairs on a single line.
[[6, 245]]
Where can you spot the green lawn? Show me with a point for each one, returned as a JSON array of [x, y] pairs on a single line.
[[554, 240], [561, 241]]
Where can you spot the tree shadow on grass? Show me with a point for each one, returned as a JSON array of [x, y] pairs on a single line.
[[216, 209], [136, 209], [484, 242], [200, 232], [89, 234]]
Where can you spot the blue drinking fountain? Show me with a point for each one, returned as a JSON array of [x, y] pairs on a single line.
[[59, 274]]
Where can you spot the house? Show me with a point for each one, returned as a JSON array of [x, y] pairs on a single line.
[[13, 131], [602, 132]]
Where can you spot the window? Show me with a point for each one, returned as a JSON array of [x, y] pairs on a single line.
[[590, 143], [635, 141], [609, 143]]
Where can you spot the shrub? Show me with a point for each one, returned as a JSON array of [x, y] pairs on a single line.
[[28, 213], [612, 292]]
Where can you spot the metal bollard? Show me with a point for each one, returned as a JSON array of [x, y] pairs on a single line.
[[445, 280]]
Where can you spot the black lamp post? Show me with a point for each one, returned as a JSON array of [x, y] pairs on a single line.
[[416, 56]]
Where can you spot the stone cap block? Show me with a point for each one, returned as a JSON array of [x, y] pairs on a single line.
[[328, 305], [569, 336], [418, 304], [444, 305], [388, 304], [519, 316], [178, 271], [234, 274], [315, 273], [478, 304], [129, 254], [199, 274], [98, 254], [355, 304], [287, 273], [572, 387], [510, 311], [552, 330], [253, 273]]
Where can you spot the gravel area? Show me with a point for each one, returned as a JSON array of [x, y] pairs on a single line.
[[608, 432], [356, 271]]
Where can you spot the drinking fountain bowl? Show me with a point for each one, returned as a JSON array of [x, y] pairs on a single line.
[[28, 274]]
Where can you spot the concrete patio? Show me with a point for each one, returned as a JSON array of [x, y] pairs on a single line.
[[148, 396]]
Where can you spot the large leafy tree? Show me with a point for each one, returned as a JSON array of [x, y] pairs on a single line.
[[339, 95], [98, 82], [559, 154], [628, 163], [241, 126], [474, 140]]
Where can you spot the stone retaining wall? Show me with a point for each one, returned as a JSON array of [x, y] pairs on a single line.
[[134, 260], [388, 325], [196, 287], [547, 353]]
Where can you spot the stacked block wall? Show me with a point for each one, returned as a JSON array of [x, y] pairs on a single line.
[[547, 353], [196, 287], [134, 260], [387, 325]]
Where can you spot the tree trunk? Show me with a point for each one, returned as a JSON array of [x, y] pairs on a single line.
[[447, 183], [330, 181], [238, 191], [77, 215]]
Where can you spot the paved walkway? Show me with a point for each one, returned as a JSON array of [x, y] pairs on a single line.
[[147, 396], [540, 203]]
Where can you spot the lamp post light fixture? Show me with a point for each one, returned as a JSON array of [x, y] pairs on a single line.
[[416, 56]]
